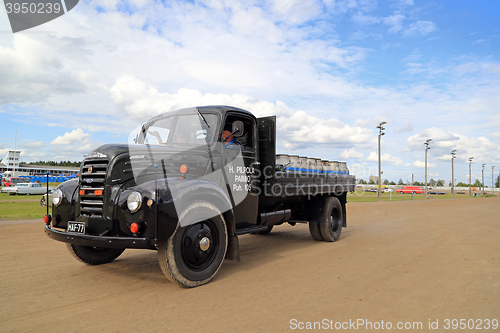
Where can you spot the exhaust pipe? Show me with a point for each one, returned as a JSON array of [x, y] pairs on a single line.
[[276, 217]]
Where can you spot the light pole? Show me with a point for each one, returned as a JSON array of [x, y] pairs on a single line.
[[492, 180], [427, 147], [470, 162], [483, 177], [381, 128], [452, 173]]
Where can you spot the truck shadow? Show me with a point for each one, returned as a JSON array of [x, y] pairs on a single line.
[[255, 251]]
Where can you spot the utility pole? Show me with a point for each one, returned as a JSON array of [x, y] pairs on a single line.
[[381, 128], [470, 163], [427, 147], [452, 174]]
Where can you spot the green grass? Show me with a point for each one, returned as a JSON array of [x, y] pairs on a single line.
[[22, 207], [372, 197], [21, 210]]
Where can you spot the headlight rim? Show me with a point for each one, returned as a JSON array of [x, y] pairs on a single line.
[[57, 194], [137, 196]]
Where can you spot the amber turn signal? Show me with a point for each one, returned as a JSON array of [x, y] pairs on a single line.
[[98, 192], [82, 192]]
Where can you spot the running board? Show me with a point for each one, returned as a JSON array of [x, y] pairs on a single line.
[[250, 229]]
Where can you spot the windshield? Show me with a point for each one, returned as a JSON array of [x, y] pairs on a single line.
[[190, 129]]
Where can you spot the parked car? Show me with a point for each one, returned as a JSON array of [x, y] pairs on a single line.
[[27, 188], [8, 189], [436, 193], [13, 181], [44, 200]]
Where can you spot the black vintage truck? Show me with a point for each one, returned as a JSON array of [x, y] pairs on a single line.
[[187, 184]]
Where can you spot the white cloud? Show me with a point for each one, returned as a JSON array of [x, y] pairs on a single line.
[[444, 141], [420, 164], [395, 21], [404, 128], [301, 130], [296, 11], [351, 154], [420, 27], [74, 141], [33, 145], [363, 19], [385, 158], [32, 71]]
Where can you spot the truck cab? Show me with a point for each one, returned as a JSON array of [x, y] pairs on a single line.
[[186, 184]]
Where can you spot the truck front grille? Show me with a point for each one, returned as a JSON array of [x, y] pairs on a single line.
[[92, 182]]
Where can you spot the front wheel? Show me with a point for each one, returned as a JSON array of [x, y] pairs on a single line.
[[194, 253], [94, 255]]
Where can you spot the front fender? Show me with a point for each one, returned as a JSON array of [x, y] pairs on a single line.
[[170, 198], [186, 191]]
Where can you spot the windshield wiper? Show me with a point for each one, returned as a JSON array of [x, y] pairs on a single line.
[[201, 116]]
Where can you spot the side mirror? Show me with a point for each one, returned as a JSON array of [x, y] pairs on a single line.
[[238, 128]]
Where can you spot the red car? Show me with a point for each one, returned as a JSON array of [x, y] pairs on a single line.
[[410, 189], [13, 181]]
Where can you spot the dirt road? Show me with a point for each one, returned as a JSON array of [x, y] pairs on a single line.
[[396, 262]]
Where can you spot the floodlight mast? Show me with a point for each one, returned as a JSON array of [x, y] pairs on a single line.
[[453, 156], [483, 177], [427, 147], [379, 190], [492, 180], [470, 174]]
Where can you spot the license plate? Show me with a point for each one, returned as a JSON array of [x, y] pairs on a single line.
[[76, 227]]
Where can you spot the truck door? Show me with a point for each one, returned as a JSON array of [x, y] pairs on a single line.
[[267, 153], [239, 137]]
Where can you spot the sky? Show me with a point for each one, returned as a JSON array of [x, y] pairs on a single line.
[[330, 71]]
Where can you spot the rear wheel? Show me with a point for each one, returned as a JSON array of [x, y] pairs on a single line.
[[94, 255], [194, 253], [315, 230], [331, 222]]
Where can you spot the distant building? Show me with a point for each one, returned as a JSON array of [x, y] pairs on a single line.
[[11, 159], [374, 178], [11, 163]]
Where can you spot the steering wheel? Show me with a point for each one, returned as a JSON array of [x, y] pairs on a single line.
[[208, 137]]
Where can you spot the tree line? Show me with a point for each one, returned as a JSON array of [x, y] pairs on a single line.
[[54, 163]]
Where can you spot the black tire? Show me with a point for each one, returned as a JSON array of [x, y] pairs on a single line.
[[314, 229], [331, 222], [94, 255], [265, 231], [182, 258]]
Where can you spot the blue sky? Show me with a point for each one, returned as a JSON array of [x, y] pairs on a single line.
[[330, 70]]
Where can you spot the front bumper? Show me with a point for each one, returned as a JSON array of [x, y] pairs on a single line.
[[101, 241]]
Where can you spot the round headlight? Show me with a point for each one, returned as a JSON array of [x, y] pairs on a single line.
[[134, 201], [57, 197]]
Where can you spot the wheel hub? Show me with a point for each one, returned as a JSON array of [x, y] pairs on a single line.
[[199, 245], [204, 244]]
